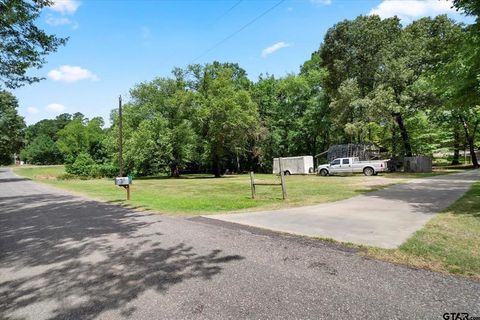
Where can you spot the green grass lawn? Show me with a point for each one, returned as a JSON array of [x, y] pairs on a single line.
[[203, 194], [449, 243]]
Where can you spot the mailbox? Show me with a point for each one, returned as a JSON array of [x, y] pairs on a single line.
[[122, 181]]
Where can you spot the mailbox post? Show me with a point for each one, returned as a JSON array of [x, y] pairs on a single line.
[[125, 183]]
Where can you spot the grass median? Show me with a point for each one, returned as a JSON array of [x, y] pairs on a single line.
[[448, 243], [203, 194]]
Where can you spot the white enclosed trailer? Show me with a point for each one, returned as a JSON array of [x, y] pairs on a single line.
[[294, 165]]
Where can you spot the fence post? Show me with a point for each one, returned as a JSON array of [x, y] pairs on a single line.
[[282, 179], [252, 184]]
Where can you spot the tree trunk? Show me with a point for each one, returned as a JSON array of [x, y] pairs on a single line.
[[456, 146], [471, 144], [394, 140], [238, 162], [217, 170], [175, 172], [403, 132]]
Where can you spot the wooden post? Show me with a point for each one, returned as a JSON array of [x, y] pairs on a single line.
[[252, 184], [282, 179], [128, 192]]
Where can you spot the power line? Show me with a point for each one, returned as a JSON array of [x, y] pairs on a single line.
[[225, 13], [239, 30]]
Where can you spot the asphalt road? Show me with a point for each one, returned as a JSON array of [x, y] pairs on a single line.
[[385, 218], [65, 257]]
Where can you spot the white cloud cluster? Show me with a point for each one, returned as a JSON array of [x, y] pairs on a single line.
[[55, 107], [274, 47], [70, 74], [409, 10], [52, 108], [65, 6], [62, 8]]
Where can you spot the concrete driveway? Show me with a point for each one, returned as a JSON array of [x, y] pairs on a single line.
[[384, 218]]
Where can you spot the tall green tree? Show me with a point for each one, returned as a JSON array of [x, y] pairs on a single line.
[[265, 92], [41, 138], [148, 149], [355, 55], [169, 101], [82, 135], [22, 44], [227, 116], [47, 127], [42, 150], [11, 128], [294, 114], [470, 7], [377, 77], [461, 97]]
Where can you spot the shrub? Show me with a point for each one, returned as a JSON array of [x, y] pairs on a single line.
[[85, 166], [82, 166], [108, 170], [42, 150]]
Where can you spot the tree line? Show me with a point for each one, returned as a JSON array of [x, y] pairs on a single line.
[[411, 90]]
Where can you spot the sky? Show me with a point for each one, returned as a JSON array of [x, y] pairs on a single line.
[[114, 45]]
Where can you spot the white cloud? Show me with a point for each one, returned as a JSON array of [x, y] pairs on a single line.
[[57, 21], [55, 107], [274, 47], [409, 10], [68, 73], [324, 2], [65, 6], [32, 110]]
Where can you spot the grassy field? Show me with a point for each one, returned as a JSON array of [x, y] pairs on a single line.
[[449, 243], [202, 194]]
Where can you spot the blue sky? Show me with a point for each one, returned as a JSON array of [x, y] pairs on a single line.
[[116, 44]]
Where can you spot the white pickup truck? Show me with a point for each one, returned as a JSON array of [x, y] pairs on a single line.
[[352, 165]]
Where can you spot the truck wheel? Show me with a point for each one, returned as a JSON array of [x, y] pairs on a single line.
[[287, 173], [368, 171], [324, 172]]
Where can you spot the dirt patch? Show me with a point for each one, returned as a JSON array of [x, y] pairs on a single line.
[[45, 177]]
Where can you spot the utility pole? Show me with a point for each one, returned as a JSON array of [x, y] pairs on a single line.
[[120, 137], [121, 180]]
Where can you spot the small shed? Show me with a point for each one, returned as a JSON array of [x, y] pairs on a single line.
[[417, 164]]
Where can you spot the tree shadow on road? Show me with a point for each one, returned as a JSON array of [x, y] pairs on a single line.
[[81, 258]]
